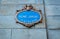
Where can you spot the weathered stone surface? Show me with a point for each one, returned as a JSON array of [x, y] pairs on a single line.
[[22, 2], [53, 16], [29, 34], [10, 9], [9, 22], [54, 34], [53, 22], [52, 2], [5, 34], [52, 10]]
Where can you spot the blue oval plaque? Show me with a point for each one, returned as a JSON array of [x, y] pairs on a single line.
[[28, 17]]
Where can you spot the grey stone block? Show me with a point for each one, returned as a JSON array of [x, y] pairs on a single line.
[[8, 12], [53, 16], [53, 22], [52, 10], [5, 34], [54, 2], [38, 34], [54, 34], [20, 34], [28, 34]]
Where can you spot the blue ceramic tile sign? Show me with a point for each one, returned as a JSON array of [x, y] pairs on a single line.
[[28, 16]]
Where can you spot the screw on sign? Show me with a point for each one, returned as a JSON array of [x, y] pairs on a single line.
[[28, 16]]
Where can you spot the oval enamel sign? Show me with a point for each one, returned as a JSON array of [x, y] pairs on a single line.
[[28, 17]]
